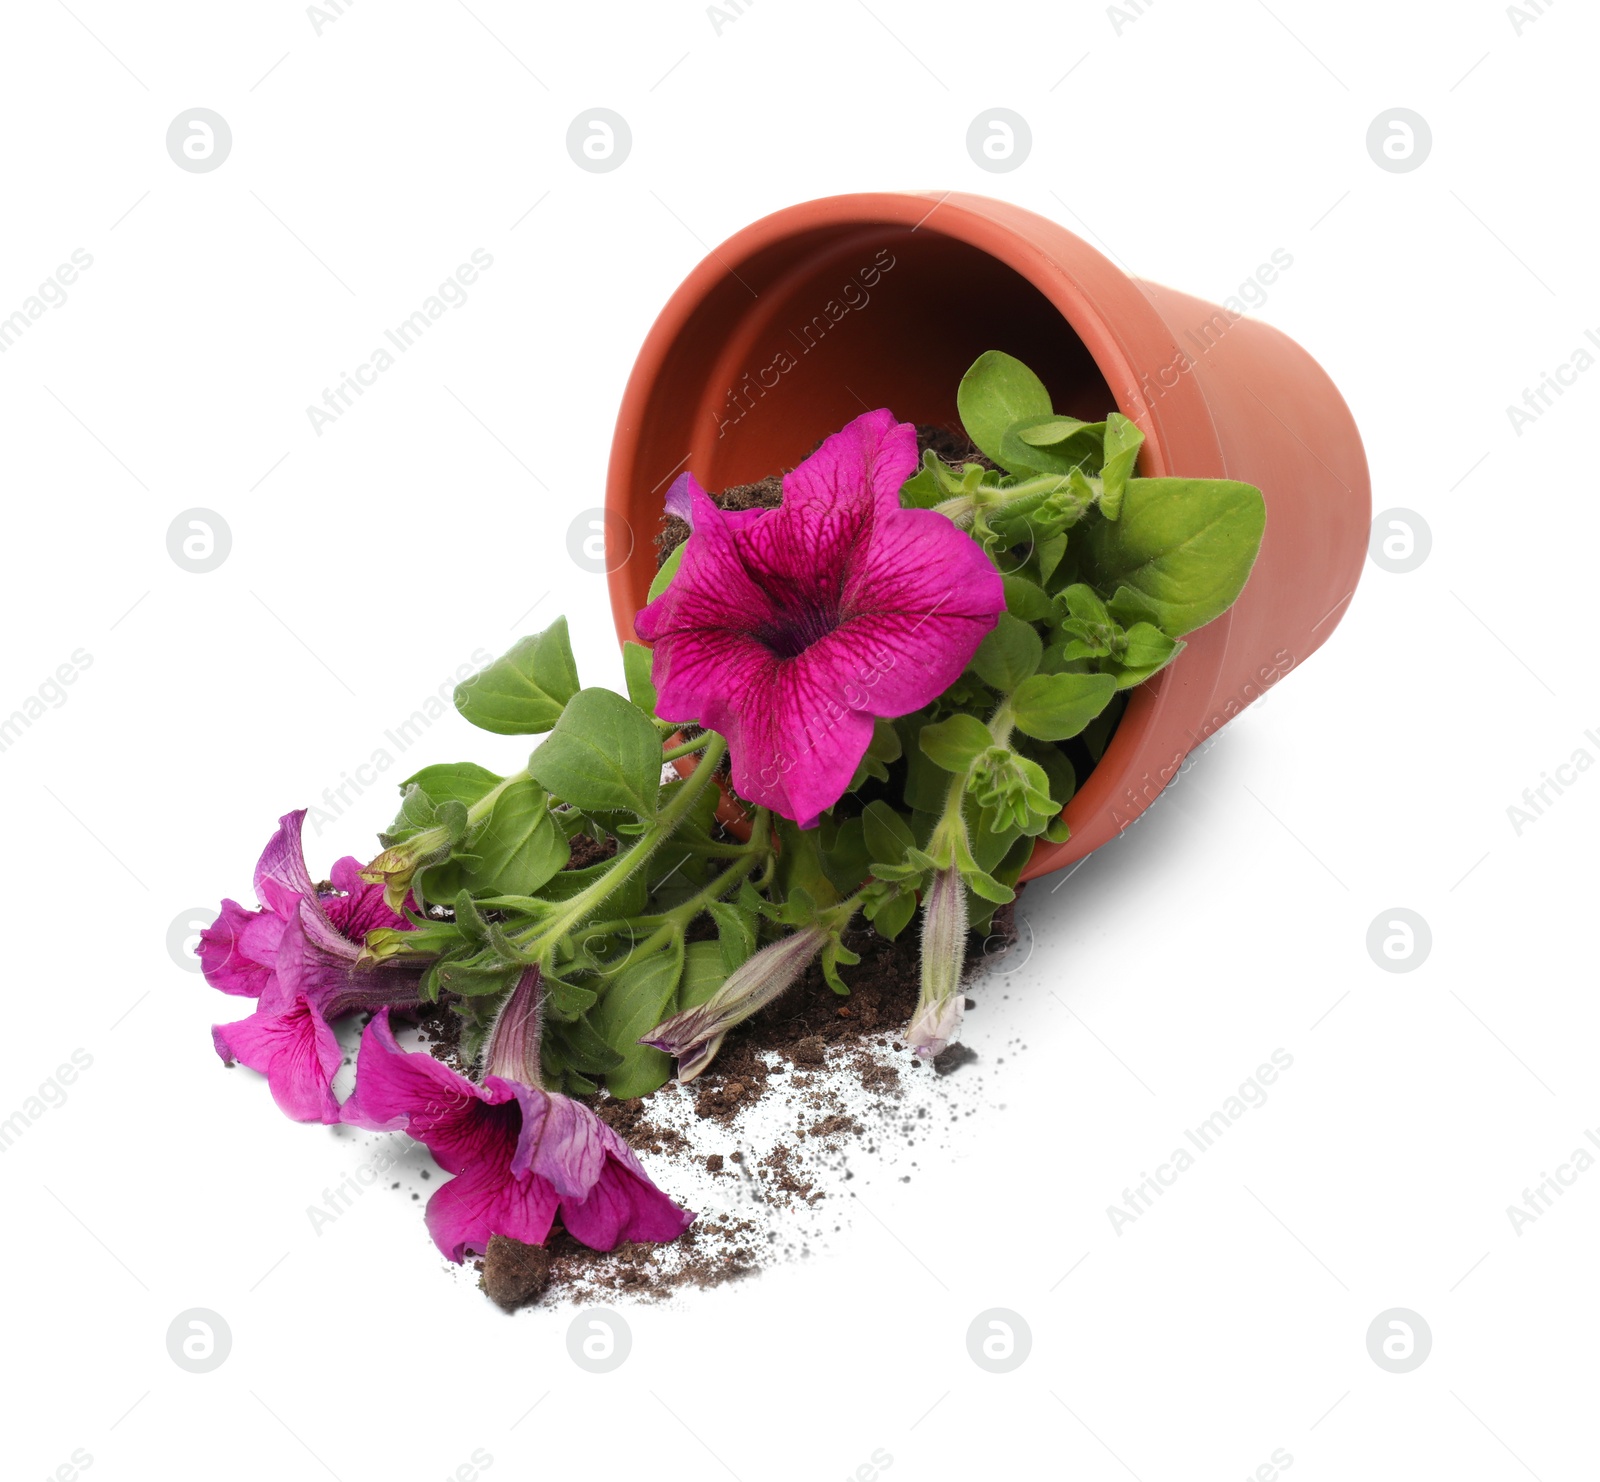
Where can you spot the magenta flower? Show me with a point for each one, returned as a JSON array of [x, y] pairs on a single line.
[[789, 630], [519, 1154], [299, 957]]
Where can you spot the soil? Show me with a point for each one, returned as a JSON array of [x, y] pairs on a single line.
[[814, 1051], [514, 1273]]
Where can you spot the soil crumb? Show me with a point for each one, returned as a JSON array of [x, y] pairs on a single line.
[[514, 1273]]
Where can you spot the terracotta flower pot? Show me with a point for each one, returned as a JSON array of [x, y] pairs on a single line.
[[812, 315]]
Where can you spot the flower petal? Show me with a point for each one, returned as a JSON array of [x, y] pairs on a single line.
[[360, 908], [790, 630], [238, 949], [282, 879], [624, 1205], [489, 1200], [562, 1141], [472, 1133], [397, 1090], [296, 1051], [317, 962], [921, 599]]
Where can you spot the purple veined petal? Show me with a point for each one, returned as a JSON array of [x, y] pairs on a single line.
[[489, 1200], [712, 589], [562, 1141], [296, 1051], [360, 907], [401, 1091], [238, 949], [871, 456], [624, 1205], [793, 742], [791, 632], [832, 506], [471, 1132], [317, 962], [282, 879]]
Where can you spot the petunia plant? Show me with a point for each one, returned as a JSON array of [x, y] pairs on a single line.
[[866, 704]]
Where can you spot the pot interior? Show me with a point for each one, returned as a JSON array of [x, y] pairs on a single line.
[[823, 326]]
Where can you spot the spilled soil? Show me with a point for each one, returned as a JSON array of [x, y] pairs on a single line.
[[765, 1137]]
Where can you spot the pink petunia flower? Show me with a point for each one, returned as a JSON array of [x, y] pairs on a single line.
[[299, 957], [789, 630], [518, 1153]]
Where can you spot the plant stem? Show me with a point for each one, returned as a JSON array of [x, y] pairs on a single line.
[[544, 936], [673, 923], [688, 748], [1019, 499]]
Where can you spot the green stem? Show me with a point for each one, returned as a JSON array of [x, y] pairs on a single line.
[[952, 825], [671, 923], [478, 811], [688, 748], [544, 936], [1019, 499]]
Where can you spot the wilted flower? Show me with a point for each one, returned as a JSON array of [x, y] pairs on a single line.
[[299, 956], [518, 1153], [693, 1037], [937, 1020], [788, 630]]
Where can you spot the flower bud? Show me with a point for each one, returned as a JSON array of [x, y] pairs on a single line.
[[937, 1020], [693, 1037], [397, 865]]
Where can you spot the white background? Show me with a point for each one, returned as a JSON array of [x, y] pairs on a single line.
[[367, 564]]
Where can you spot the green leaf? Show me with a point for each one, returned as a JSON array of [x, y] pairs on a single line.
[[1122, 443], [518, 847], [565, 1001], [522, 692], [704, 971], [1050, 553], [633, 1003], [1182, 547], [1128, 608], [1046, 432], [636, 669], [885, 743], [954, 744], [1080, 446], [925, 785], [1026, 599], [473, 978], [1052, 707], [602, 754], [669, 569], [1096, 736], [894, 915], [997, 391], [736, 934], [844, 853], [801, 872], [460, 782], [1147, 651], [887, 834], [582, 1048], [1008, 655], [1084, 604], [1058, 769]]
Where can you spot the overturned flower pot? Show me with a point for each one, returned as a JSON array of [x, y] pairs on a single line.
[[799, 322]]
